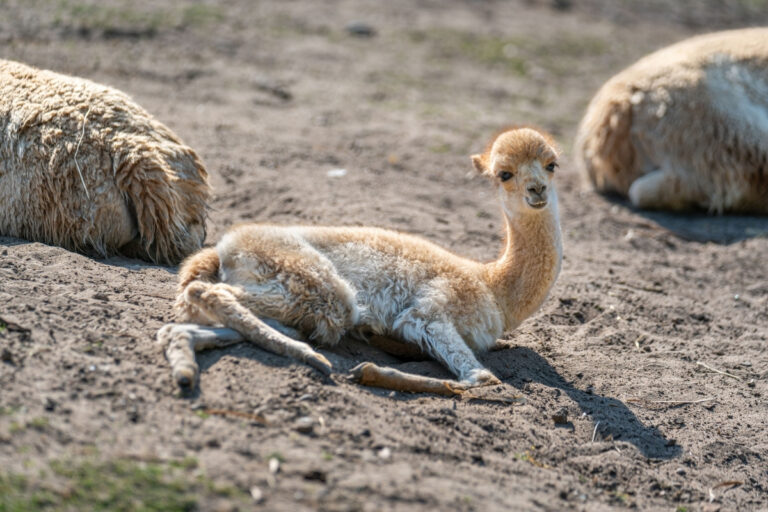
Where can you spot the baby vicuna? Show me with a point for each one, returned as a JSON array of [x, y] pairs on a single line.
[[272, 284]]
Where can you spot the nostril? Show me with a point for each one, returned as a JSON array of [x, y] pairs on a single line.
[[537, 189]]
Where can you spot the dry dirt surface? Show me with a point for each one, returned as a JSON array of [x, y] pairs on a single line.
[[641, 382]]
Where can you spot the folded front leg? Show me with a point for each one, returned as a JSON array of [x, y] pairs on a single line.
[[443, 342]]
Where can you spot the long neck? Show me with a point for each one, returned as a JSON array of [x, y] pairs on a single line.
[[523, 276]]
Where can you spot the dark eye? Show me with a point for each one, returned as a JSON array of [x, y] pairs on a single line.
[[551, 167], [505, 175]]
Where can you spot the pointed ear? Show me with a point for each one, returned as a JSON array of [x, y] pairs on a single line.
[[479, 162]]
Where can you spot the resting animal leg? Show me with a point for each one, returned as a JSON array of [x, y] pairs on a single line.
[[444, 343], [181, 341], [664, 190], [217, 301], [441, 340]]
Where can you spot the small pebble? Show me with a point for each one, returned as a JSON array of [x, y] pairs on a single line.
[[385, 453], [50, 404], [336, 173], [360, 29], [561, 416], [257, 494], [305, 425], [274, 465]]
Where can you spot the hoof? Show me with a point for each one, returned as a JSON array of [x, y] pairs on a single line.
[[320, 363], [185, 378], [184, 382], [481, 377], [194, 291]]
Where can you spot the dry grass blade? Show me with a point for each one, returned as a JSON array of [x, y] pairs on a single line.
[[512, 400], [645, 401], [727, 483], [721, 372], [237, 414], [77, 150], [594, 432]]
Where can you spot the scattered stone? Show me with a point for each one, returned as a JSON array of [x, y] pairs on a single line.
[[273, 88], [257, 494], [316, 475], [274, 465], [305, 425], [561, 416], [6, 356], [385, 453], [360, 29], [337, 173], [307, 398], [562, 5]]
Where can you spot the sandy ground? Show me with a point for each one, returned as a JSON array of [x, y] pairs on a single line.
[[274, 95]]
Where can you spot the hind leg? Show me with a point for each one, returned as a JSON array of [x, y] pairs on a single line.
[[181, 341], [664, 190], [217, 301]]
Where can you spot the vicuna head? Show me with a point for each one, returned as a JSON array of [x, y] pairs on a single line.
[[522, 162]]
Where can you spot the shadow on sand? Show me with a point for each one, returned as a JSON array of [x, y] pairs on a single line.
[[702, 227], [515, 366], [518, 366]]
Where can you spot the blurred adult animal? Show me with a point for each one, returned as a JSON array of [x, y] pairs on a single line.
[[82, 166], [685, 127]]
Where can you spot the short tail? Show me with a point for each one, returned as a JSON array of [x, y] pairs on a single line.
[[603, 145], [201, 266]]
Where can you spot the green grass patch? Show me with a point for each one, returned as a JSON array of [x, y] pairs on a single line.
[[515, 54], [140, 19], [115, 485], [492, 51]]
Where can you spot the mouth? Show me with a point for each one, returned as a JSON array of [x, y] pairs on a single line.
[[536, 203]]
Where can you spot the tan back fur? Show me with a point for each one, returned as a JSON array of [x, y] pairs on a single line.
[[84, 167], [685, 127]]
